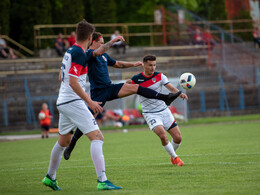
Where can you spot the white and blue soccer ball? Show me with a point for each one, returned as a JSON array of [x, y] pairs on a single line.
[[187, 80], [41, 116]]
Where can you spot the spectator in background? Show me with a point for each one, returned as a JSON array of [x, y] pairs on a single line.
[[197, 38], [114, 115], [60, 45], [45, 120], [256, 37], [119, 44], [4, 50], [71, 39], [208, 39]]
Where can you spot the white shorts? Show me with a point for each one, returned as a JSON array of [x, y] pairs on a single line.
[[164, 118], [76, 115]]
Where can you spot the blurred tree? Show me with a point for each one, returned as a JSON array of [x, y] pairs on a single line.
[[217, 11], [56, 11], [103, 11], [88, 13], [4, 15], [203, 8], [67, 11], [244, 14], [25, 15]]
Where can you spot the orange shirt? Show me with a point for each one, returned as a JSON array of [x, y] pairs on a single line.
[[46, 120]]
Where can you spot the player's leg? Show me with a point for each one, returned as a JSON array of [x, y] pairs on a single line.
[[72, 144], [170, 124], [176, 137], [129, 89], [56, 155], [96, 95], [86, 122], [96, 151], [160, 132], [175, 142], [65, 127]]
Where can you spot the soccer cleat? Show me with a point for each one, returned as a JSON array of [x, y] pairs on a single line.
[[172, 97], [67, 153], [53, 184], [177, 161], [107, 185]]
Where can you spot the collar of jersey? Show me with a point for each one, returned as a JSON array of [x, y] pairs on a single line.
[[79, 46], [146, 76]]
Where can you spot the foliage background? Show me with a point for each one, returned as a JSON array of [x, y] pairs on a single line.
[[19, 16]]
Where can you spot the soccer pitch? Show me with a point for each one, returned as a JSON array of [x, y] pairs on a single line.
[[219, 159]]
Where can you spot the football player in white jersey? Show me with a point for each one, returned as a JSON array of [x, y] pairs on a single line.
[[74, 113], [156, 113]]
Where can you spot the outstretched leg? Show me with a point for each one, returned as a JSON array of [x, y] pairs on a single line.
[[129, 89]]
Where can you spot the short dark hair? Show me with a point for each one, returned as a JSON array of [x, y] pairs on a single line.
[[149, 57], [84, 30], [96, 36]]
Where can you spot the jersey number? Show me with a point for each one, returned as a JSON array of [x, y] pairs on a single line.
[[94, 121], [63, 67], [153, 121]]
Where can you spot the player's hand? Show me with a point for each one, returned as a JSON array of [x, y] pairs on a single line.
[[184, 96], [139, 63], [95, 106], [118, 38]]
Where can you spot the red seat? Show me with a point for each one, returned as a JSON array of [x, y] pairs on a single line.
[[136, 113], [173, 110], [126, 112]]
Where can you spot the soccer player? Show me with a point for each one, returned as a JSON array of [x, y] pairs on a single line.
[[74, 113], [156, 113], [101, 87]]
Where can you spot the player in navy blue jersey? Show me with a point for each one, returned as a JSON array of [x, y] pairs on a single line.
[[156, 113], [74, 113], [101, 87]]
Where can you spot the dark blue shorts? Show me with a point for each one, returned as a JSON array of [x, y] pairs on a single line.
[[106, 94], [100, 115]]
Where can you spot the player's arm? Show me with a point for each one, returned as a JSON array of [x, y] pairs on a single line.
[[60, 75], [173, 89], [129, 81], [73, 81], [122, 64], [102, 49]]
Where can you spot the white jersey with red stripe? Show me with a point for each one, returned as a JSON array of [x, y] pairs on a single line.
[[73, 64], [154, 82]]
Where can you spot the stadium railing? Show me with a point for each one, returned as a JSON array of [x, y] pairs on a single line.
[[129, 30], [18, 48]]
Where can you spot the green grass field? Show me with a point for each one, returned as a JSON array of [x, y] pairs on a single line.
[[219, 159]]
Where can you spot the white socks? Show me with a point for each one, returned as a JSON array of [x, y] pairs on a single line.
[[56, 155], [175, 146], [96, 151], [170, 150]]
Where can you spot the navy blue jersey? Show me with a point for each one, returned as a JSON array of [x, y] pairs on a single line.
[[98, 70]]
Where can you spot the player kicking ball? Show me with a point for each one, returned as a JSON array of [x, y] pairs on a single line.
[[155, 112], [74, 113], [103, 90]]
